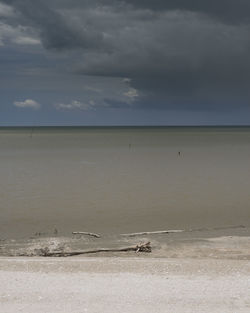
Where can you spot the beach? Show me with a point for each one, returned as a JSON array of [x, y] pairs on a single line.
[[79, 285], [210, 275]]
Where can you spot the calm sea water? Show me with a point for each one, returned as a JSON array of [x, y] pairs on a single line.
[[116, 180]]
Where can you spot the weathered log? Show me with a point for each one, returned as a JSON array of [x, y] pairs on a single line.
[[86, 233], [144, 247], [153, 232]]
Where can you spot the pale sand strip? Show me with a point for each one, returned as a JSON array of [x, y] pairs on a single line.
[[131, 285]]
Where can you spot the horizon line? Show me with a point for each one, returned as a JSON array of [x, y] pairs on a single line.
[[109, 126]]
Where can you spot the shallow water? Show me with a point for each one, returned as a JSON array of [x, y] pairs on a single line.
[[119, 180]]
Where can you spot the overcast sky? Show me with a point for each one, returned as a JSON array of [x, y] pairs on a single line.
[[124, 62]]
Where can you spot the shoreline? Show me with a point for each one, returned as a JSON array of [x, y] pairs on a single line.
[[234, 247]]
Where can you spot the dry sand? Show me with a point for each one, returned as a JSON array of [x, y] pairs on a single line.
[[138, 285]]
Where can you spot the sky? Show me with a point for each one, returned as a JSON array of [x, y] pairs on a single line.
[[124, 62]]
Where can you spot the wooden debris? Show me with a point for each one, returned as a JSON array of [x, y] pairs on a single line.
[[144, 247], [154, 232], [86, 233], [181, 230]]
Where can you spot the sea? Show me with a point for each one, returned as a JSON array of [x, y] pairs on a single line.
[[120, 180]]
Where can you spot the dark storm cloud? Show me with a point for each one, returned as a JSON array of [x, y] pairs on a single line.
[[55, 31], [178, 53], [228, 10]]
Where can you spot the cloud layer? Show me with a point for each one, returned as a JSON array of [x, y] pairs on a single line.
[[74, 104], [29, 103], [175, 53]]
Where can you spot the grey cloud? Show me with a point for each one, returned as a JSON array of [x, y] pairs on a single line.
[[5, 11], [228, 10], [17, 34], [55, 31], [180, 59], [173, 41], [177, 53]]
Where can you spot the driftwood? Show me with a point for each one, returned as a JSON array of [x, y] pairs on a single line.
[[154, 232], [161, 231], [181, 230], [86, 233], [144, 247]]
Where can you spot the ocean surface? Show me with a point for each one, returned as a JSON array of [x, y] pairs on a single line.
[[114, 180]]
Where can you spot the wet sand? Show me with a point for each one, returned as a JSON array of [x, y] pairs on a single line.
[[76, 285]]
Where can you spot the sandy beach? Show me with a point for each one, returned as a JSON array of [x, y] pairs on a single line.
[[80, 284]]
